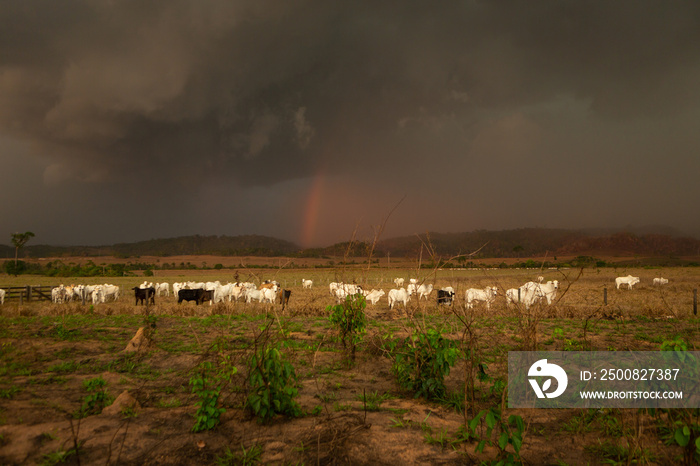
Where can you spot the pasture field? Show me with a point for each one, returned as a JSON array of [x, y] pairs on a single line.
[[61, 363]]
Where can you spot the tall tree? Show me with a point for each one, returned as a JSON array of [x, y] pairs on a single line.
[[19, 240]]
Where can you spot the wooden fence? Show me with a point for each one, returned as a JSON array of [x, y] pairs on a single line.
[[28, 293]]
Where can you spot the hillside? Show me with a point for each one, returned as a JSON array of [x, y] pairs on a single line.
[[524, 242], [246, 245]]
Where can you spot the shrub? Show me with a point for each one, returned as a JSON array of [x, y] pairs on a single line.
[[272, 382], [349, 318], [98, 398], [206, 388], [422, 362]]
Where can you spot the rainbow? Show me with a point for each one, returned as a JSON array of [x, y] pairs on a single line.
[[313, 202]]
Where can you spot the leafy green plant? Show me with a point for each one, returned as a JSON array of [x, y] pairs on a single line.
[[422, 362], [97, 399], [349, 318], [205, 387], [272, 382], [508, 432], [58, 456], [9, 393], [243, 458], [373, 401]]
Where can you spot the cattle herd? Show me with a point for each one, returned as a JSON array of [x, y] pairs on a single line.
[[270, 291]]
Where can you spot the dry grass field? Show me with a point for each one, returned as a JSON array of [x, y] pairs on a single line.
[[50, 354]]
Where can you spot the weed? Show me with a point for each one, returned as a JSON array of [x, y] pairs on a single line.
[[272, 382], [9, 393], [96, 400], [373, 401], [58, 456], [243, 458], [169, 403], [208, 414], [423, 361], [349, 318]]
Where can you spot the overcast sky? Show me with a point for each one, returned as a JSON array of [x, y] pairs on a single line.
[[305, 120]]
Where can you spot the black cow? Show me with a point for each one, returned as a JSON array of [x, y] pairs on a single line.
[[445, 297], [284, 297], [145, 295], [197, 295]]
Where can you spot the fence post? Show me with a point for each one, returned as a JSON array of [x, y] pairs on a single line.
[[519, 299], [695, 301], [29, 292], [605, 295]]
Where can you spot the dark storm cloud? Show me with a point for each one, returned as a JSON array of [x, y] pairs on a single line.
[[174, 96]]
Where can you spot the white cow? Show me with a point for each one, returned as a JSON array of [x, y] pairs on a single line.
[[223, 293], [253, 295], [332, 286], [269, 295], [549, 290], [629, 280], [660, 281], [487, 295], [374, 296], [307, 284], [398, 282], [425, 290], [340, 295], [398, 296], [58, 294], [162, 289], [2, 296], [531, 292], [110, 292], [512, 296]]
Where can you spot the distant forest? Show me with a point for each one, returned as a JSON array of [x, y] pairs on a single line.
[[518, 243]]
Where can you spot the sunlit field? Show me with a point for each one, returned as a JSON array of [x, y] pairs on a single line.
[[349, 412]]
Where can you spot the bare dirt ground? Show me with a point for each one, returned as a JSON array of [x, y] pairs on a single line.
[[49, 351]]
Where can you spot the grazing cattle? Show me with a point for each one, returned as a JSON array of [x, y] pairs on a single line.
[[223, 293], [424, 291], [350, 288], [238, 291], [512, 296], [284, 297], [398, 296], [486, 295], [253, 295], [198, 295], [177, 287], [528, 294], [110, 291], [411, 288], [629, 280], [374, 296], [549, 290], [2, 296], [445, 297], [269, 295], [307, 284], [145, 295], [340, 295], [660, 281], [398, 282], [332, 286], [162, 289], [58, 294]]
